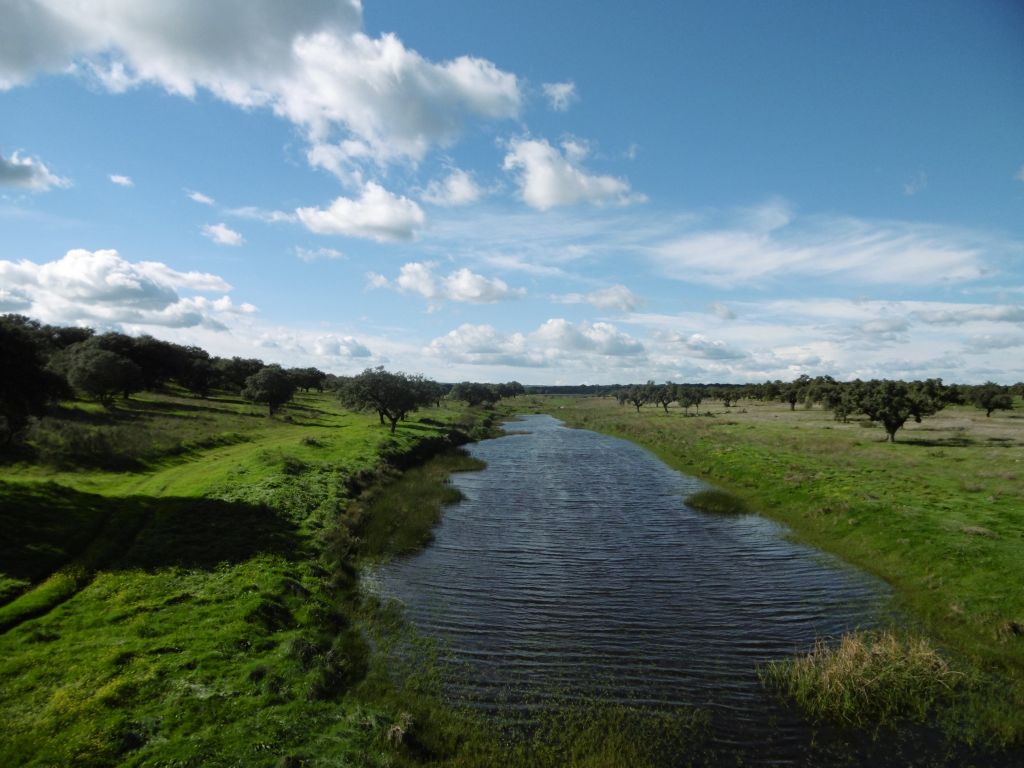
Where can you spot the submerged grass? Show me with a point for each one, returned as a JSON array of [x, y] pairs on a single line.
[[717, 502], [869, 678]]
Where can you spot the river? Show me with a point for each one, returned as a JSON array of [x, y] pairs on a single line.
[[574, 565]]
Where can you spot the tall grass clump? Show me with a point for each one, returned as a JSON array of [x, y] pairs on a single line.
[[869, 677]]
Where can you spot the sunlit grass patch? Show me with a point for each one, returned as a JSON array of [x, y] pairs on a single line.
[[868, 677]]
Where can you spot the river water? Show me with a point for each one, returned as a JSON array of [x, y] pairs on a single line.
[[574, 565]]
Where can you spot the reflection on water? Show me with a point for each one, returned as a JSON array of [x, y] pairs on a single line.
[[574, 565]]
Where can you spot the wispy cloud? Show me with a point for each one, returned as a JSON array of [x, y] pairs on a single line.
[[121, 181], [199, 197]]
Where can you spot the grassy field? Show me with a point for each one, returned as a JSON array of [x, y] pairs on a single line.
[[939, 514], [178, 584]]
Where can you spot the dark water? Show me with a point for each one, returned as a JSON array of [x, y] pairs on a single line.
[[575, 565]]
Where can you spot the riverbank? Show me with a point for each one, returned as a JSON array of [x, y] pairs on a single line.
[[939, 515], [201, 609]]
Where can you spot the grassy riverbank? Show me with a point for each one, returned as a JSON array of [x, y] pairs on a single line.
[[939, 514], [199, 609]]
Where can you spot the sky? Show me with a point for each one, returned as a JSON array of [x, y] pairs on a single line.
[[554, 193]]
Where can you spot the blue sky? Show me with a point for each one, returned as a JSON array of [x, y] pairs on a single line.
[[572, 192]]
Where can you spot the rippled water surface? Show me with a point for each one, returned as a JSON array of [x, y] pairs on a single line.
[[575, 564]]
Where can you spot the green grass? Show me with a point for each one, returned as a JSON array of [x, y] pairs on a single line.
[[939, 515], [196, 610]]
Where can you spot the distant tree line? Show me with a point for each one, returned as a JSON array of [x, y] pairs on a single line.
[[886, 402]]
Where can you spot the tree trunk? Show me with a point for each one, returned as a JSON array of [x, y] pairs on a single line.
[[394, 422]]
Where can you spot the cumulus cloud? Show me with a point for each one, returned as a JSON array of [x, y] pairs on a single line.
[[699, 345], [549, 177], [769, 242], [28, 173], [309, 63], [458, 188], [555, 342], [102, 288], [461, 285], [617, 298], [376, 214], [222, 234], [340, 346], [199, 197], [560, 95], [121, 181]]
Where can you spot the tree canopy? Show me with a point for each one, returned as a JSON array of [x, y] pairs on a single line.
[[392, 395], [271, 386]]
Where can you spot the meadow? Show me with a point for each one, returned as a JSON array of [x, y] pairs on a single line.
[[180, 581], [939, 515]]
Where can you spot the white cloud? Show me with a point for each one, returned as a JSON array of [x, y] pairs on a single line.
[[376, 280], [722, 311], [340, 346], [1020, 174], [121, 181], [917, 184], [199, 197], [555, 342], [700, 346], [309, 62], [262, 214], [560, 95], [376, 214], [458, 188], [617, 297], [222, 234], [462, 285], [548, 178], [313, 254], [102, 288], [958, 314], [28, 173], [769, 243]]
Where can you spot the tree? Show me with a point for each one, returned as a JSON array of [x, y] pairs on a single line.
[[308, 378], [992, 397], [665, 395], [270, 385], [473, 393], [689, 396], [392, 395], [26, 386], [795, 391], [894, 402], [231, 374], [102, 374], [639, 395]]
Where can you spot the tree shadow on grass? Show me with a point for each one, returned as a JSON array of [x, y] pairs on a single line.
[[59, 539], [48, 526]]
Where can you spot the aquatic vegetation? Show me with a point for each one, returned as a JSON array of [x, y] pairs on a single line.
[[718, 502], [868, 677]]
